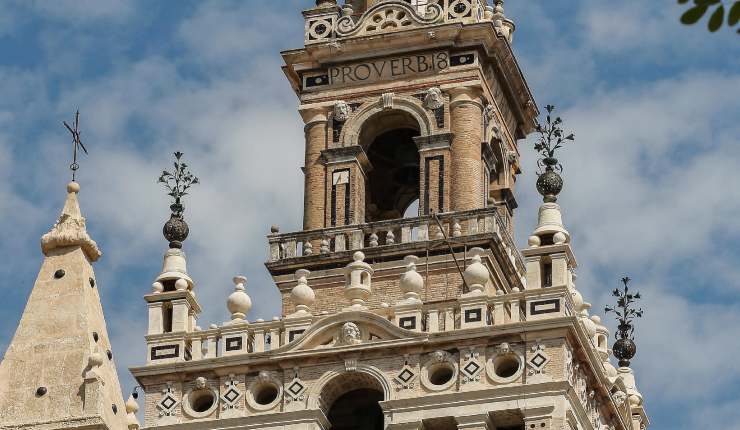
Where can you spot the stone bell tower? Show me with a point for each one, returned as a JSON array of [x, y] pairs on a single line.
[[394, 318]]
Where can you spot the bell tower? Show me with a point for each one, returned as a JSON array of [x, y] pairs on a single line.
[[406, 303]]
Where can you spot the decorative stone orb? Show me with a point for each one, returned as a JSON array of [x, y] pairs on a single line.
[[131, 406], [176, 230], [302, 295], [239, 303], [476, 274], [550, 184], [559, 238], [624, 350], [181, 284], [157, 287], [96, 359], [534, 241], [412, 283], [73, 187], [635, 400]]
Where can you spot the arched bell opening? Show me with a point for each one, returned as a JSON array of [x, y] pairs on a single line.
[[351, 401], [393, 183]]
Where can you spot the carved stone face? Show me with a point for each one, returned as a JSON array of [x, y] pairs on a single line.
[[341, 111], [200, 383], [350, 333], [433, 98]]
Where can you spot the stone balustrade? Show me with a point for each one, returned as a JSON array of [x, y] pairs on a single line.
[[383, 235], [262, 337]]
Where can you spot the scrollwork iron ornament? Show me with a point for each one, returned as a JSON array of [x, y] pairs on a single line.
[[625, 347], [552, 138], [177, 184]]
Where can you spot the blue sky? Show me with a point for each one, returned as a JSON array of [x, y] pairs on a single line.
[[651, 184]]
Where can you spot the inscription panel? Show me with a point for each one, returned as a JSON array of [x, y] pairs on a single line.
[[384, 69]]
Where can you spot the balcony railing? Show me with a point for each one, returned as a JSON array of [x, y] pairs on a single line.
[[385, 234]]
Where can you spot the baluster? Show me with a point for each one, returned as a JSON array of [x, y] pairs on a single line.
[[433, 324], [259, 340], [423, 232], [196, 348], [390, 238], [406, 234], [307, 248], [340, 244], [456, 228], [373, 240], [324, 246], [290, 248], [450, 319], [274, 338]]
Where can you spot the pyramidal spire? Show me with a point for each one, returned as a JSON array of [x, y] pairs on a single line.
[[58, 371]]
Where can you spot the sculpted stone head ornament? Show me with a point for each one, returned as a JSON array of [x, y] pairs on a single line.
[[433, 98], [351, 334], [341, 111]]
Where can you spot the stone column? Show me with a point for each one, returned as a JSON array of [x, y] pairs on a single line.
[[467, 129], [475, 422], [314, 200], [434, 173]]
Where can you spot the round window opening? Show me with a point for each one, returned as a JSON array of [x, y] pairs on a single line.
[[506, 366], [441, 375], [266, 395], [202, 401]]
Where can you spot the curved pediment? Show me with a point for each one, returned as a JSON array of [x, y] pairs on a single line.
[[349, 329], [388, 16]]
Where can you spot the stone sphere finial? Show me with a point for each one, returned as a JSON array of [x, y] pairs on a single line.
[[73, 187], [476, 274], [239, 303], [412, 283], [302, 295]]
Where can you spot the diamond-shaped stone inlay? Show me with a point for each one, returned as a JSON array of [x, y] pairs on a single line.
[[539, 359], [406, 377], [231, 395], [472, 368], [168, 402], [296, 387]]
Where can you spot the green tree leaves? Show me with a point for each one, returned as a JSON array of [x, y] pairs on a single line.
[[717, 16]]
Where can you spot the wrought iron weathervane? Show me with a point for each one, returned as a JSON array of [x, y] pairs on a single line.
[[76, 142], [552, 138], [625, 348], [177, 183]]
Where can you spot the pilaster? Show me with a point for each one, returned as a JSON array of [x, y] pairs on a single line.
[[314, 200], [466, 115]]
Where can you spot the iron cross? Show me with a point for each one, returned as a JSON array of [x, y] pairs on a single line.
[[76, 142]]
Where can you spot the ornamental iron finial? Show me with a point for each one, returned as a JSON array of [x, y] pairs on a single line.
[[552, 138], [76, 143], [625, 348], [177, 184]]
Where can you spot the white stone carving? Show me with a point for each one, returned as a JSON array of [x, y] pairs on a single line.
[[296, 389], [388, 17], [302, 295], [412, 283], [387, 99], [433, 98], [476, 274], [406, 378], [439, 361], [351, 334], [341, 111], [358, 276], [264, 381], [239, 303]]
